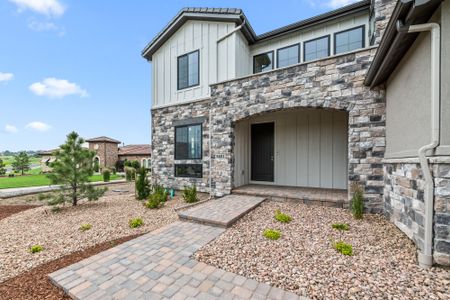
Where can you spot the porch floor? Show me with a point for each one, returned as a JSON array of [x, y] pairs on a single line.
[[307, 195]]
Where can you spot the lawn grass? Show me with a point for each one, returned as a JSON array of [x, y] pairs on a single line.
[[37, 180], [7, 160]]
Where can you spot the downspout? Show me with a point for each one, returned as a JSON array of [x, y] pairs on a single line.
[[426, 256], [236, 29]]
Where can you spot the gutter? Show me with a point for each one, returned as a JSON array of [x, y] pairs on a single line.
[[426, 256]]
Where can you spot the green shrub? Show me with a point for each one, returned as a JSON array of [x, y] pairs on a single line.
[[341, 226], [96, 166], [55, 209], [106, 175], [357, 201], [272, 234], [132, 163], [114, 171], [157, 198], [343, 248], [190, 194], [130, 173], [142, 185], [135, 223], [43, 196], [36, 248], [281, 217], [85, 227]]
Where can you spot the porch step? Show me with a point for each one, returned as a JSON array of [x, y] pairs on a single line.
[[313, 196], [222, 212]]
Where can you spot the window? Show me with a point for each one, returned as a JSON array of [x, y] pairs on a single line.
[[349, 40], [188, 70], [263, 62], [317, 48], [189, 170], [188, 142], [288, 56]]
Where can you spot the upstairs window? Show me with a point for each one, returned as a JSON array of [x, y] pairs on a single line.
[[188, 142], [349, 40], [263, 62], [317, 48], [188, 70], [288, 56]]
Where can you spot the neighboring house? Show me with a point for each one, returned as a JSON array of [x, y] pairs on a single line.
[[304, 106], [107, 153]]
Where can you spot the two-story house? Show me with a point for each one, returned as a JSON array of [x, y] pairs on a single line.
[[295, 107]]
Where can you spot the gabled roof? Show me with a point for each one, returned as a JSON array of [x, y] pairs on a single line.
[[143, 149], [47, 152], [238, 17], [103, 139], [394, 44]]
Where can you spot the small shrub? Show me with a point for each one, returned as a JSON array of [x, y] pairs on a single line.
[[157, 198], [142, 185], [85, 227], [55, 209], [130, 173], [96, 166], [42, 196], [272, 234], [281, 217], [114, 171], [343, 248], [357, 201], [36, 248], [341, 226], [106, 175], [190, 194], [11, 175], [135, 223]]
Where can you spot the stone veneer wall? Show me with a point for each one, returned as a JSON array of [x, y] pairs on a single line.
[[404, 203], [111, 151], [163, 145], [383, 11], [333, 83]]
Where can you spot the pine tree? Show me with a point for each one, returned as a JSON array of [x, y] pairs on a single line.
[[21, 162], [2, 167], [142, 185], [71, 169]]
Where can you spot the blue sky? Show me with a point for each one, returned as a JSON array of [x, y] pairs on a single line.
[[75, 65]]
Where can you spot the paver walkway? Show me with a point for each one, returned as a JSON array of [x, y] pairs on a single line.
[[222, 212], [159, 265]]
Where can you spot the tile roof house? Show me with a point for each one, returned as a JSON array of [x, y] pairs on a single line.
[[349, 96]]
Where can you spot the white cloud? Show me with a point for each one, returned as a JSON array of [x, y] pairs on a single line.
[[6, 76], [339, 3], [11, 128], [39, 26], [45, 7], [38, 126], [57, 88]]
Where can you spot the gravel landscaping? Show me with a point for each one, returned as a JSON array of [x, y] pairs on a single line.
[[383, 265], [59, 233]]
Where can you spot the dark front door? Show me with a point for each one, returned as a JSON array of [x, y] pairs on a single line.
[[262, 138]]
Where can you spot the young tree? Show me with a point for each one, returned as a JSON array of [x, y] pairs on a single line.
[[71, 169], [21, 162], [2, 167], [142, 185]]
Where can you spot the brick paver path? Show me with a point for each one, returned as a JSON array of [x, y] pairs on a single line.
[[221, 212], [159, 265]]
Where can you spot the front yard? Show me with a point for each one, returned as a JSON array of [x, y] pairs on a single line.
[[302, 260], [37, 180]]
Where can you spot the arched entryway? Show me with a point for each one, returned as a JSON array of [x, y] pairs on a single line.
[[297, 148]]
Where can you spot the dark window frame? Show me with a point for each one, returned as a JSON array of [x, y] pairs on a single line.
[[187, 176], [299, 54], [178, 68], [201, 141], [328, 36], [350, 29], [273, 58]]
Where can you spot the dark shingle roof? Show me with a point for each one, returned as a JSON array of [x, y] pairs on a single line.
[[104, 139]]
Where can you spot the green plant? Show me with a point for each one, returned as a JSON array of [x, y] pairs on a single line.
[[36, 248], [114, 171], [157, 198], [343, 248], [43, 196], [2, 167], [106, 175], [56, 209], [96, 166], [281, 217], [142, 185], [190, 194], [341, 226], [357, 202], [272, 234], [72, 170], [130, 173], [135, 223], [21, 162], [85, 227]]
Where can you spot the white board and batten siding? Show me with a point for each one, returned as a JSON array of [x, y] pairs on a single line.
[[310, 148], [192, 36]]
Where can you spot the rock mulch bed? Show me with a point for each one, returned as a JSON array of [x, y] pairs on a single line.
[[35, 284], [59, 233], [383, 265], [8, 210]]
